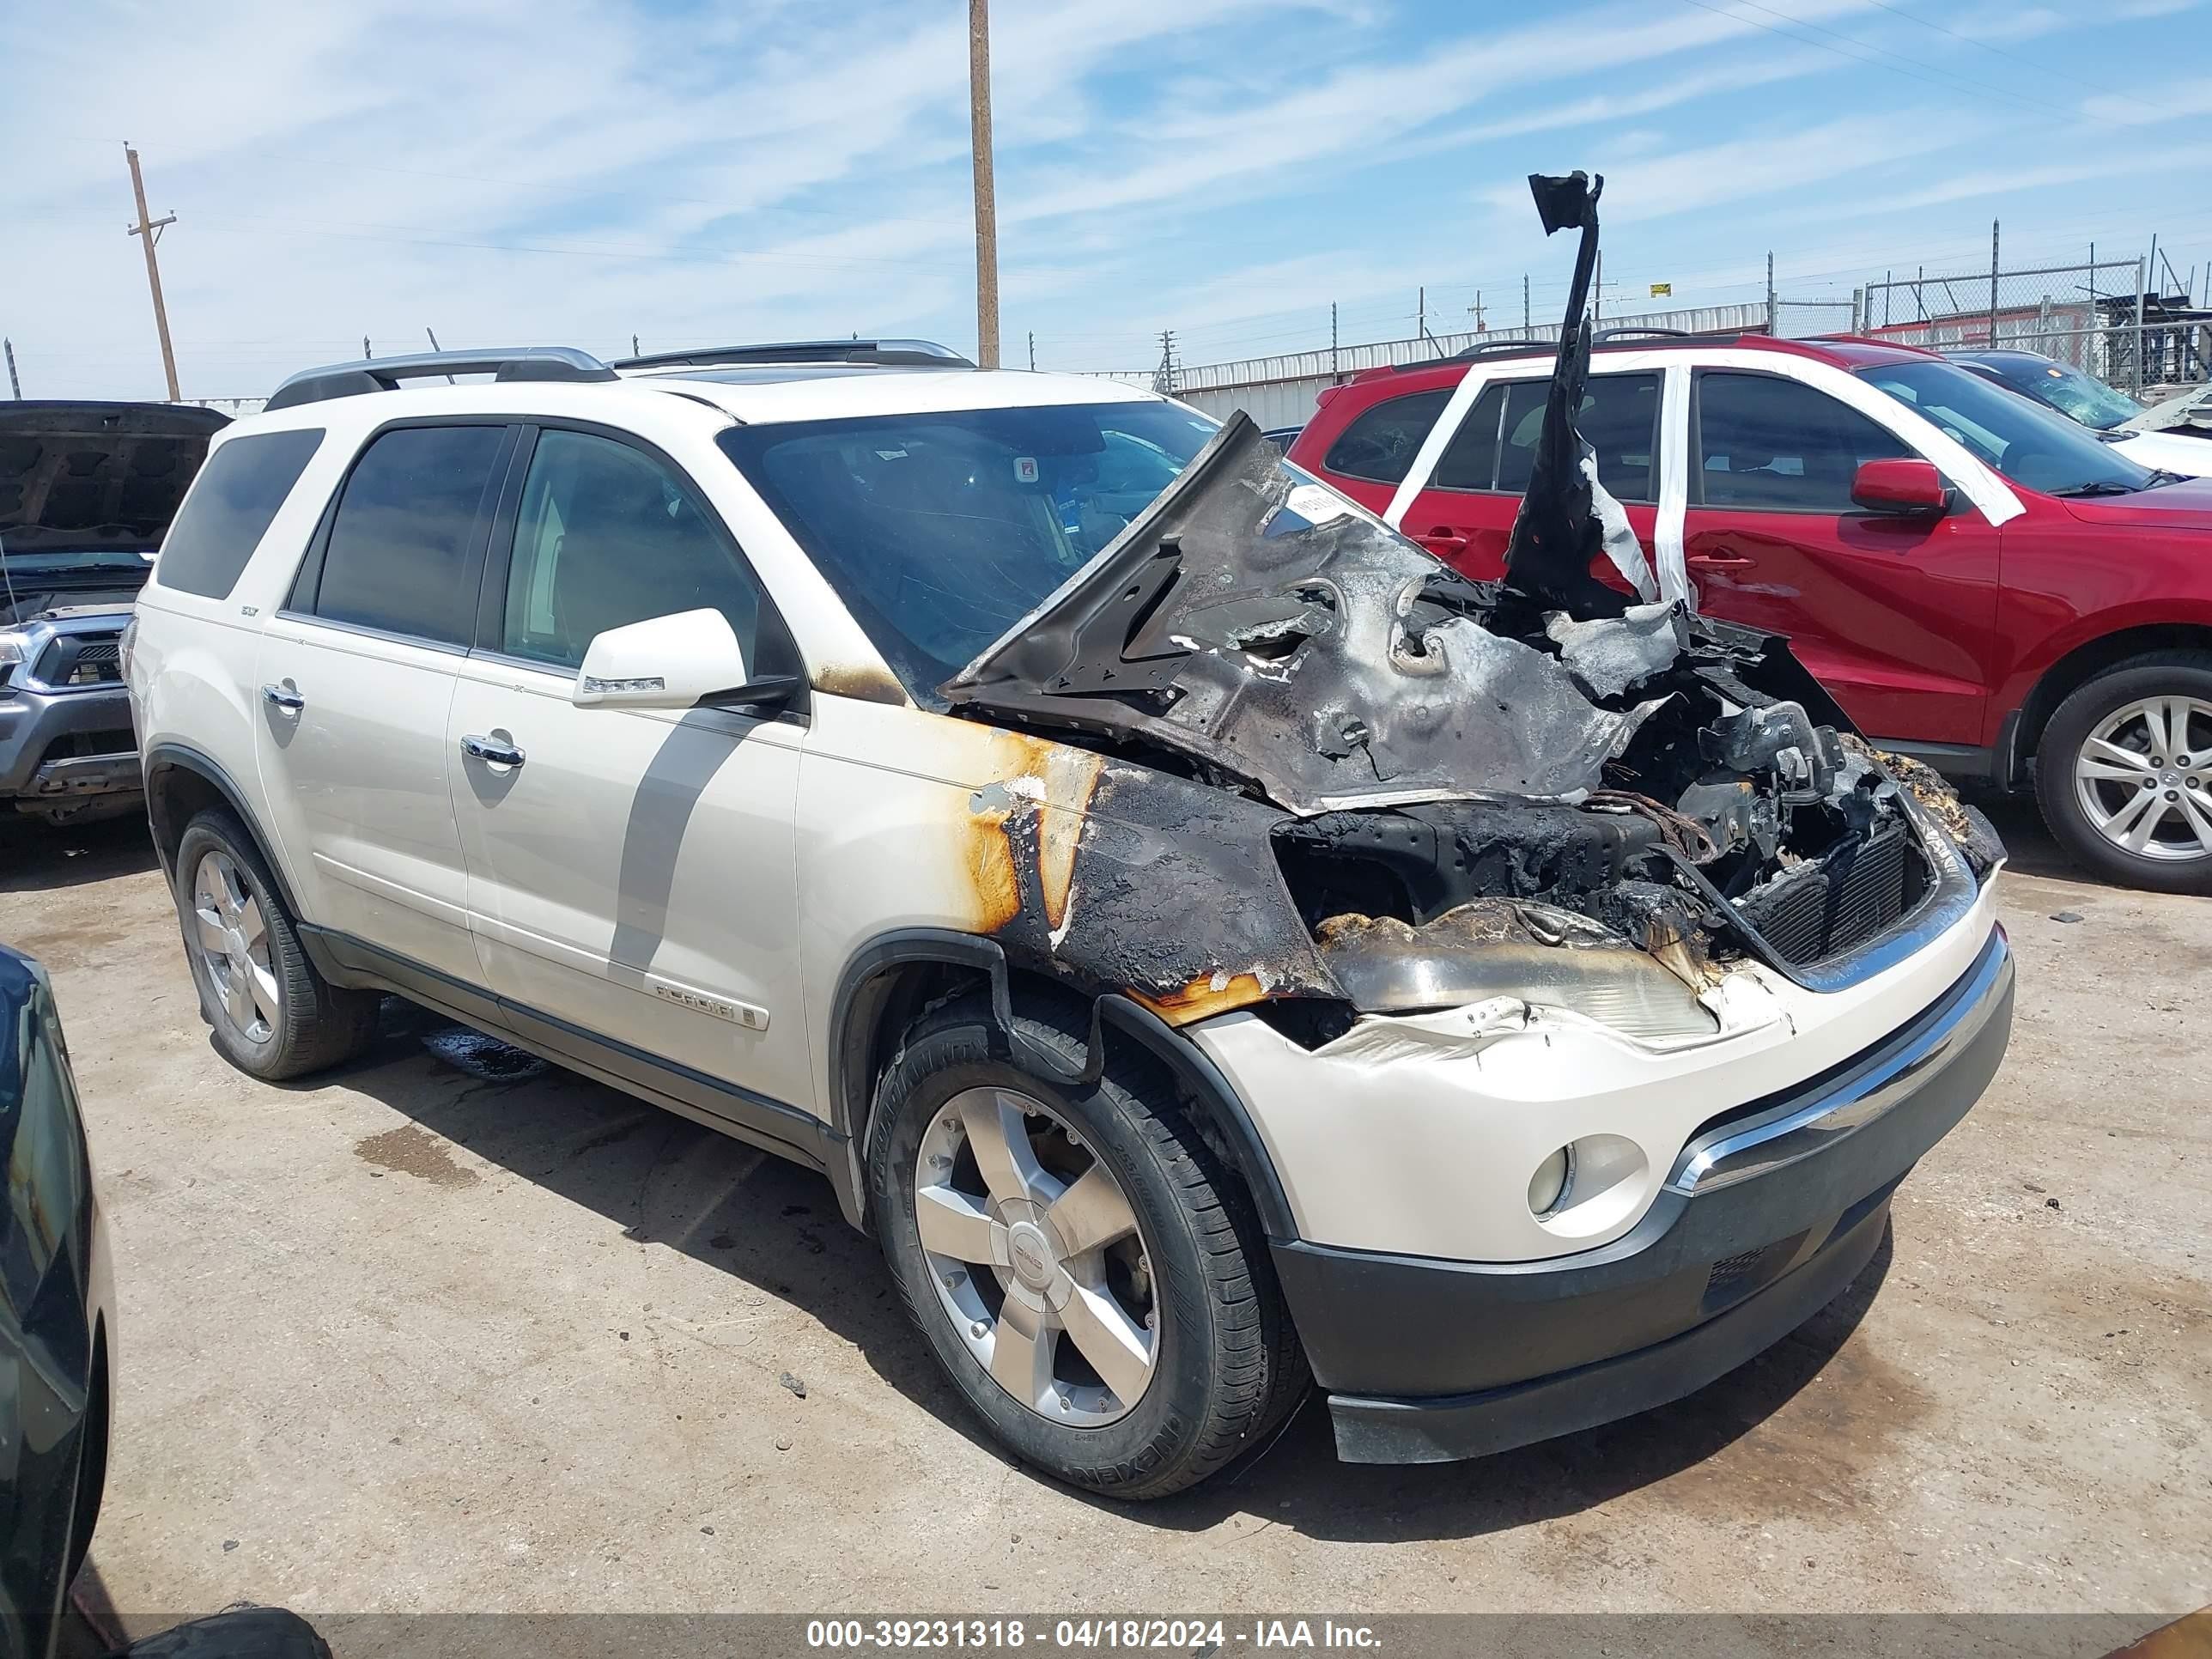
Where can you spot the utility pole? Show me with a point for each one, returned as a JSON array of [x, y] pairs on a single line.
[[1528, 317], [1334, 374], [1773, 327], [14, 386], [1421, 311], [987, 205], [366, 353], [1597, 289], [1993, 284], [1477, 309], [1032, 351], [149, 231], [1164, 379], [633, 345]]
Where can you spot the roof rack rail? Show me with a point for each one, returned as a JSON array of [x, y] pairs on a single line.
[[1499, 348], [889, 354], [311, 385], [1630, 331]]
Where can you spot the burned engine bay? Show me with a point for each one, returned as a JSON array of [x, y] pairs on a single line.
[[1467, 789]]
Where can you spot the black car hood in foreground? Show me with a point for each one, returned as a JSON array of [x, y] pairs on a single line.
[[53, 1404]]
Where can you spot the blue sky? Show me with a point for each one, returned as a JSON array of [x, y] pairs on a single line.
[[528, 171]]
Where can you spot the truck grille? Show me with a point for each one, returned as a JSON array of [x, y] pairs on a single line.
[[82, 660], [1821, 910]]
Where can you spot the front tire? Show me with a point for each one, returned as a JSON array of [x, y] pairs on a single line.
[[2124, 773], [1090, 1279], [272, 1015]]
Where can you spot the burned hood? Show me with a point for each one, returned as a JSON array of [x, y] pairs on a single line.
[[1264, 624], [95, 477]]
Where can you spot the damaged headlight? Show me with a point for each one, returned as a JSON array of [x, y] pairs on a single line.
[[1534, 953]]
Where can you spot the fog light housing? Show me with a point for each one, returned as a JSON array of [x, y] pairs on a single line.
[[1548, 1188]]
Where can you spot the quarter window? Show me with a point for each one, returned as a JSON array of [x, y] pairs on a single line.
[[1470, 459], [1764, 441], [608, 535], [401, 555], [1380, 444], [231, 502]]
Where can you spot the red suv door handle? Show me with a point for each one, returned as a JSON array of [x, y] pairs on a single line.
[[1442, 542], [1718, 561]]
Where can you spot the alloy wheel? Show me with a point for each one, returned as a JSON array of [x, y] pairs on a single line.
[[232, 936], [1037, 1257], [2143, 777]]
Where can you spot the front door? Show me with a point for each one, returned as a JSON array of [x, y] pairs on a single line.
[[632, 876], [1895, 616], [356, 676]]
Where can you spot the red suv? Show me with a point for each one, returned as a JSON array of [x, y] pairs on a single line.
[[1982, 583]]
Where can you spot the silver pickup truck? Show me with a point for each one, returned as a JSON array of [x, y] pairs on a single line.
[[87, 491]]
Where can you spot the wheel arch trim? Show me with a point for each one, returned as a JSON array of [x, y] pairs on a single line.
[[870, 972], [2066, 671], [169, 755]]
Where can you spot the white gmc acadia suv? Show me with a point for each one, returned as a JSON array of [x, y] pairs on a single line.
[[1210, 944]]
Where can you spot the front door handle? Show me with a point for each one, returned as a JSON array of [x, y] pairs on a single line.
[[1718, 561], [491, 750], [283, 697], [1442, 542]]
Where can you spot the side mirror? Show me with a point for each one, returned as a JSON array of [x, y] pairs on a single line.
[[1907, 486], [679, 662], [2200, 417]]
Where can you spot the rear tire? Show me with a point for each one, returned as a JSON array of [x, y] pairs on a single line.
[[273, 1015], [1198, 1361], [2123, 773]]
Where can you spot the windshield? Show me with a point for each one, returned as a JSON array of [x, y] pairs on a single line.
[[2070, 391], [942, 530], [2030, 444]]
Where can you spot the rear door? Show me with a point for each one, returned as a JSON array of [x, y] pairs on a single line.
[[632, 876], [1462, 508], [356, 675], [1895, 616]]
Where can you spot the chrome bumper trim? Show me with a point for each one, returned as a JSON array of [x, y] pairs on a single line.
[[1855, 1100]]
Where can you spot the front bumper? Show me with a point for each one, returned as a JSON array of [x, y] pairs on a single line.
[[1767, 1215], [56, 746]]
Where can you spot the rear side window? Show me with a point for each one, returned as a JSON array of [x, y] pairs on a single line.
[[404, 553], [1618, 419], [229, 511], [1379, 446]]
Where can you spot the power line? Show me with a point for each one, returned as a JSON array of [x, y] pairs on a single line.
[[2017, 57], [1901, 65]]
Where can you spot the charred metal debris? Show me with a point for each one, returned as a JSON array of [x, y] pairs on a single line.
[[1311, 766]]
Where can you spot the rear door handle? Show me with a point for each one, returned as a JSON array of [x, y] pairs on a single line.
[[491, 750], [284, 697], [1442, 542]]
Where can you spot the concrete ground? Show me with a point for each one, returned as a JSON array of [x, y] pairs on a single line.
[[406, 1339]]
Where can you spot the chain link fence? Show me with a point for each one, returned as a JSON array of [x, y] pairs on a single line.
[[2098, 316]]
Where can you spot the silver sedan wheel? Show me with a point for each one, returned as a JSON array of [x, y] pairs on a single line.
[[2143, 777], [1037, 1257], [232, 936]]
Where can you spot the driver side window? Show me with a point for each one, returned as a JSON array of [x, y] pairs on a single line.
[[608, 535], [1767, 442]]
